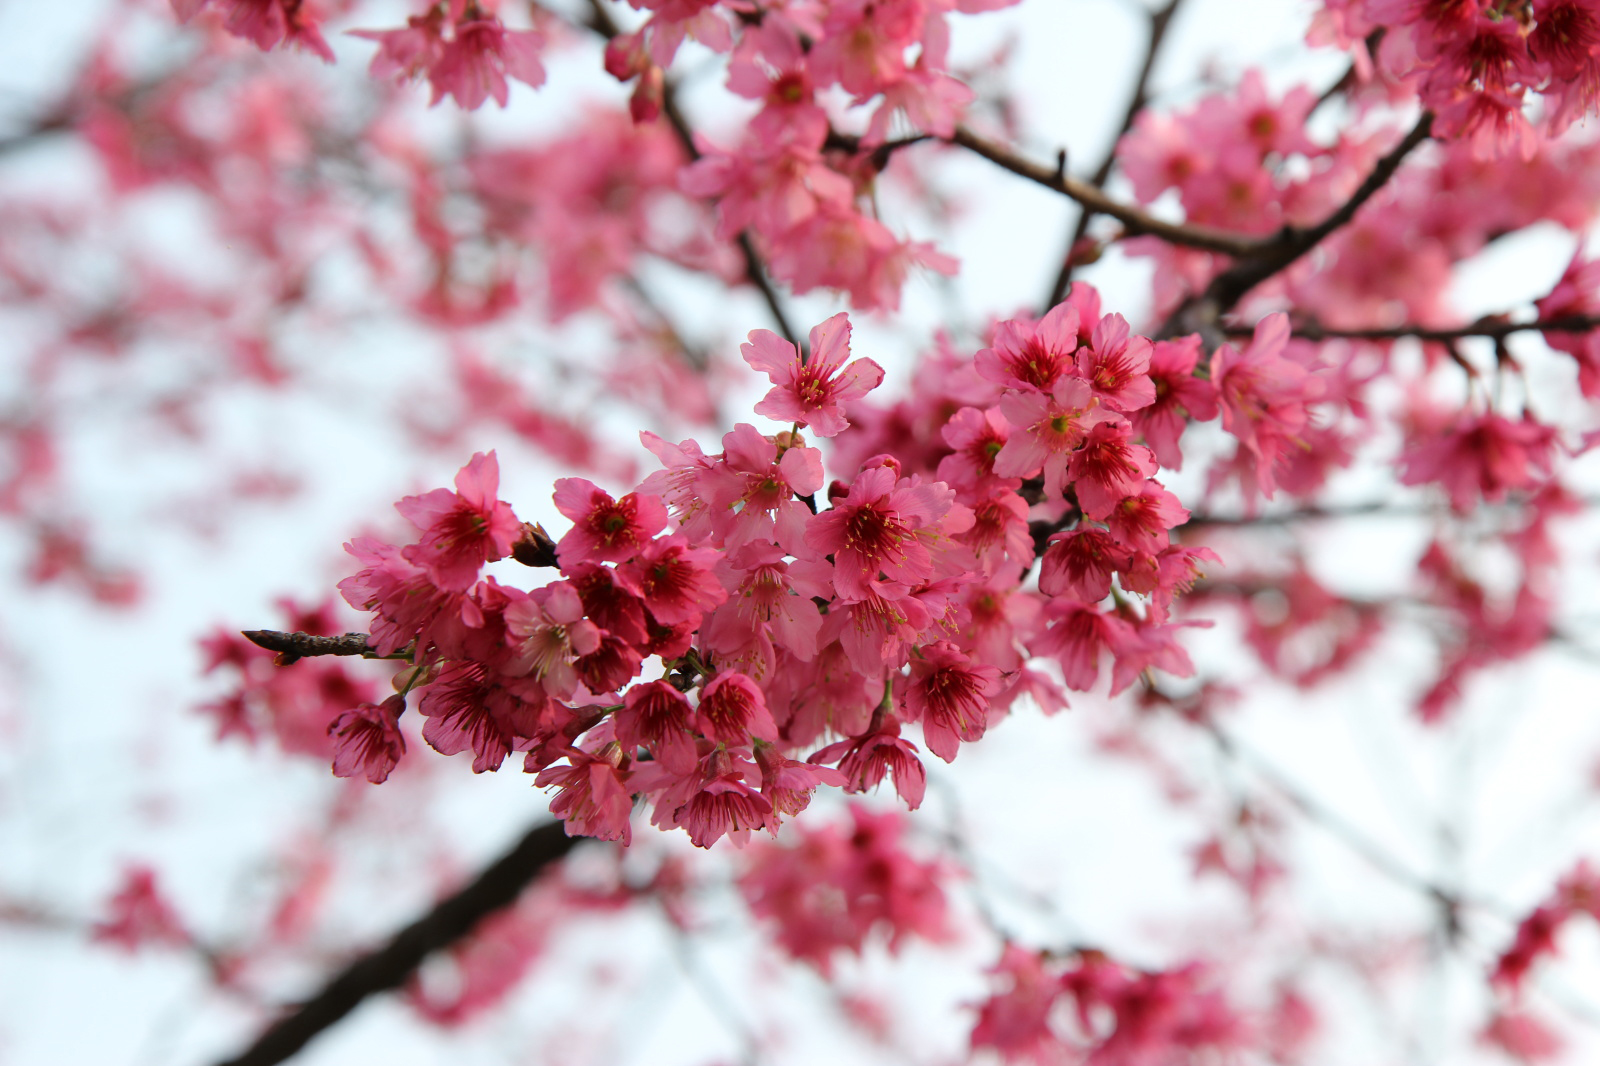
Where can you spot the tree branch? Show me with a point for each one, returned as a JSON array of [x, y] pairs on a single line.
[[390, 966], [1238, 245], [601, 22], [1159, 21], [292, 647], [1496, 327], [1228, 287]]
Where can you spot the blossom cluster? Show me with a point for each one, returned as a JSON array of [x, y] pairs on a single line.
[[1114, 1014], [714, 626], [1479, 64]]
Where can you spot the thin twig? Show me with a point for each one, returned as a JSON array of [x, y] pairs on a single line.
[[292, 647], [1134, 219], [451, 919], [1496, 327], [1336, 826], [1159, 21], [601, 22]]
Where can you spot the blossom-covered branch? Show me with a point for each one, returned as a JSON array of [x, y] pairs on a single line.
[[1494, 327], [1228, 287]]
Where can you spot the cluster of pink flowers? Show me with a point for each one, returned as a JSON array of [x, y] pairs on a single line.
[[1479, 64], [803, 194], [464, 51], [1089, 1008], [828, 890], [781, 620]]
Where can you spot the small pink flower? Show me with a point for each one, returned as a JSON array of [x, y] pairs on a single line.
[[1080, 563], [368, 741], [1117, 366], [592, 796], [789, 785], [474, 64], [464, 529], [1032, 355], [949, 694], [753, 494], [547, 632], [1045, 428], [733, 710], [1179, 396], [1108, 468], [1141, 519], [604, 529], [999, 532], [725, 806], [674, 580], [139, 915], [265, 23], [872, 532], [811, 393], [1483, 455], [977, 437], [656, 715], [865, 759], [610, 666]]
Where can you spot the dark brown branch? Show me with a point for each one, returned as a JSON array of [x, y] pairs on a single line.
[[1227, 288], [1159, 21], [601, 22], [1238, 245], [1350, 78], [389, 967], [1496, 327], [292, 647]]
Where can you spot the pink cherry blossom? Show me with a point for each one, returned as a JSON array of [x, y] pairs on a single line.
[[949, 694], [464, 529], [604, 529], [1108, 468], [139, 915], [883, 527], [367, 740], [811, 393], [1032, 355], [548, 632]]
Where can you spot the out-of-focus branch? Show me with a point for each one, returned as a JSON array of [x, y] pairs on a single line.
[[58, 121], [695, 356], [1494, 326], [601, 22], [1136, 220], [390, 966], [1449, 900], [1352, 73], [1160, 19]]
